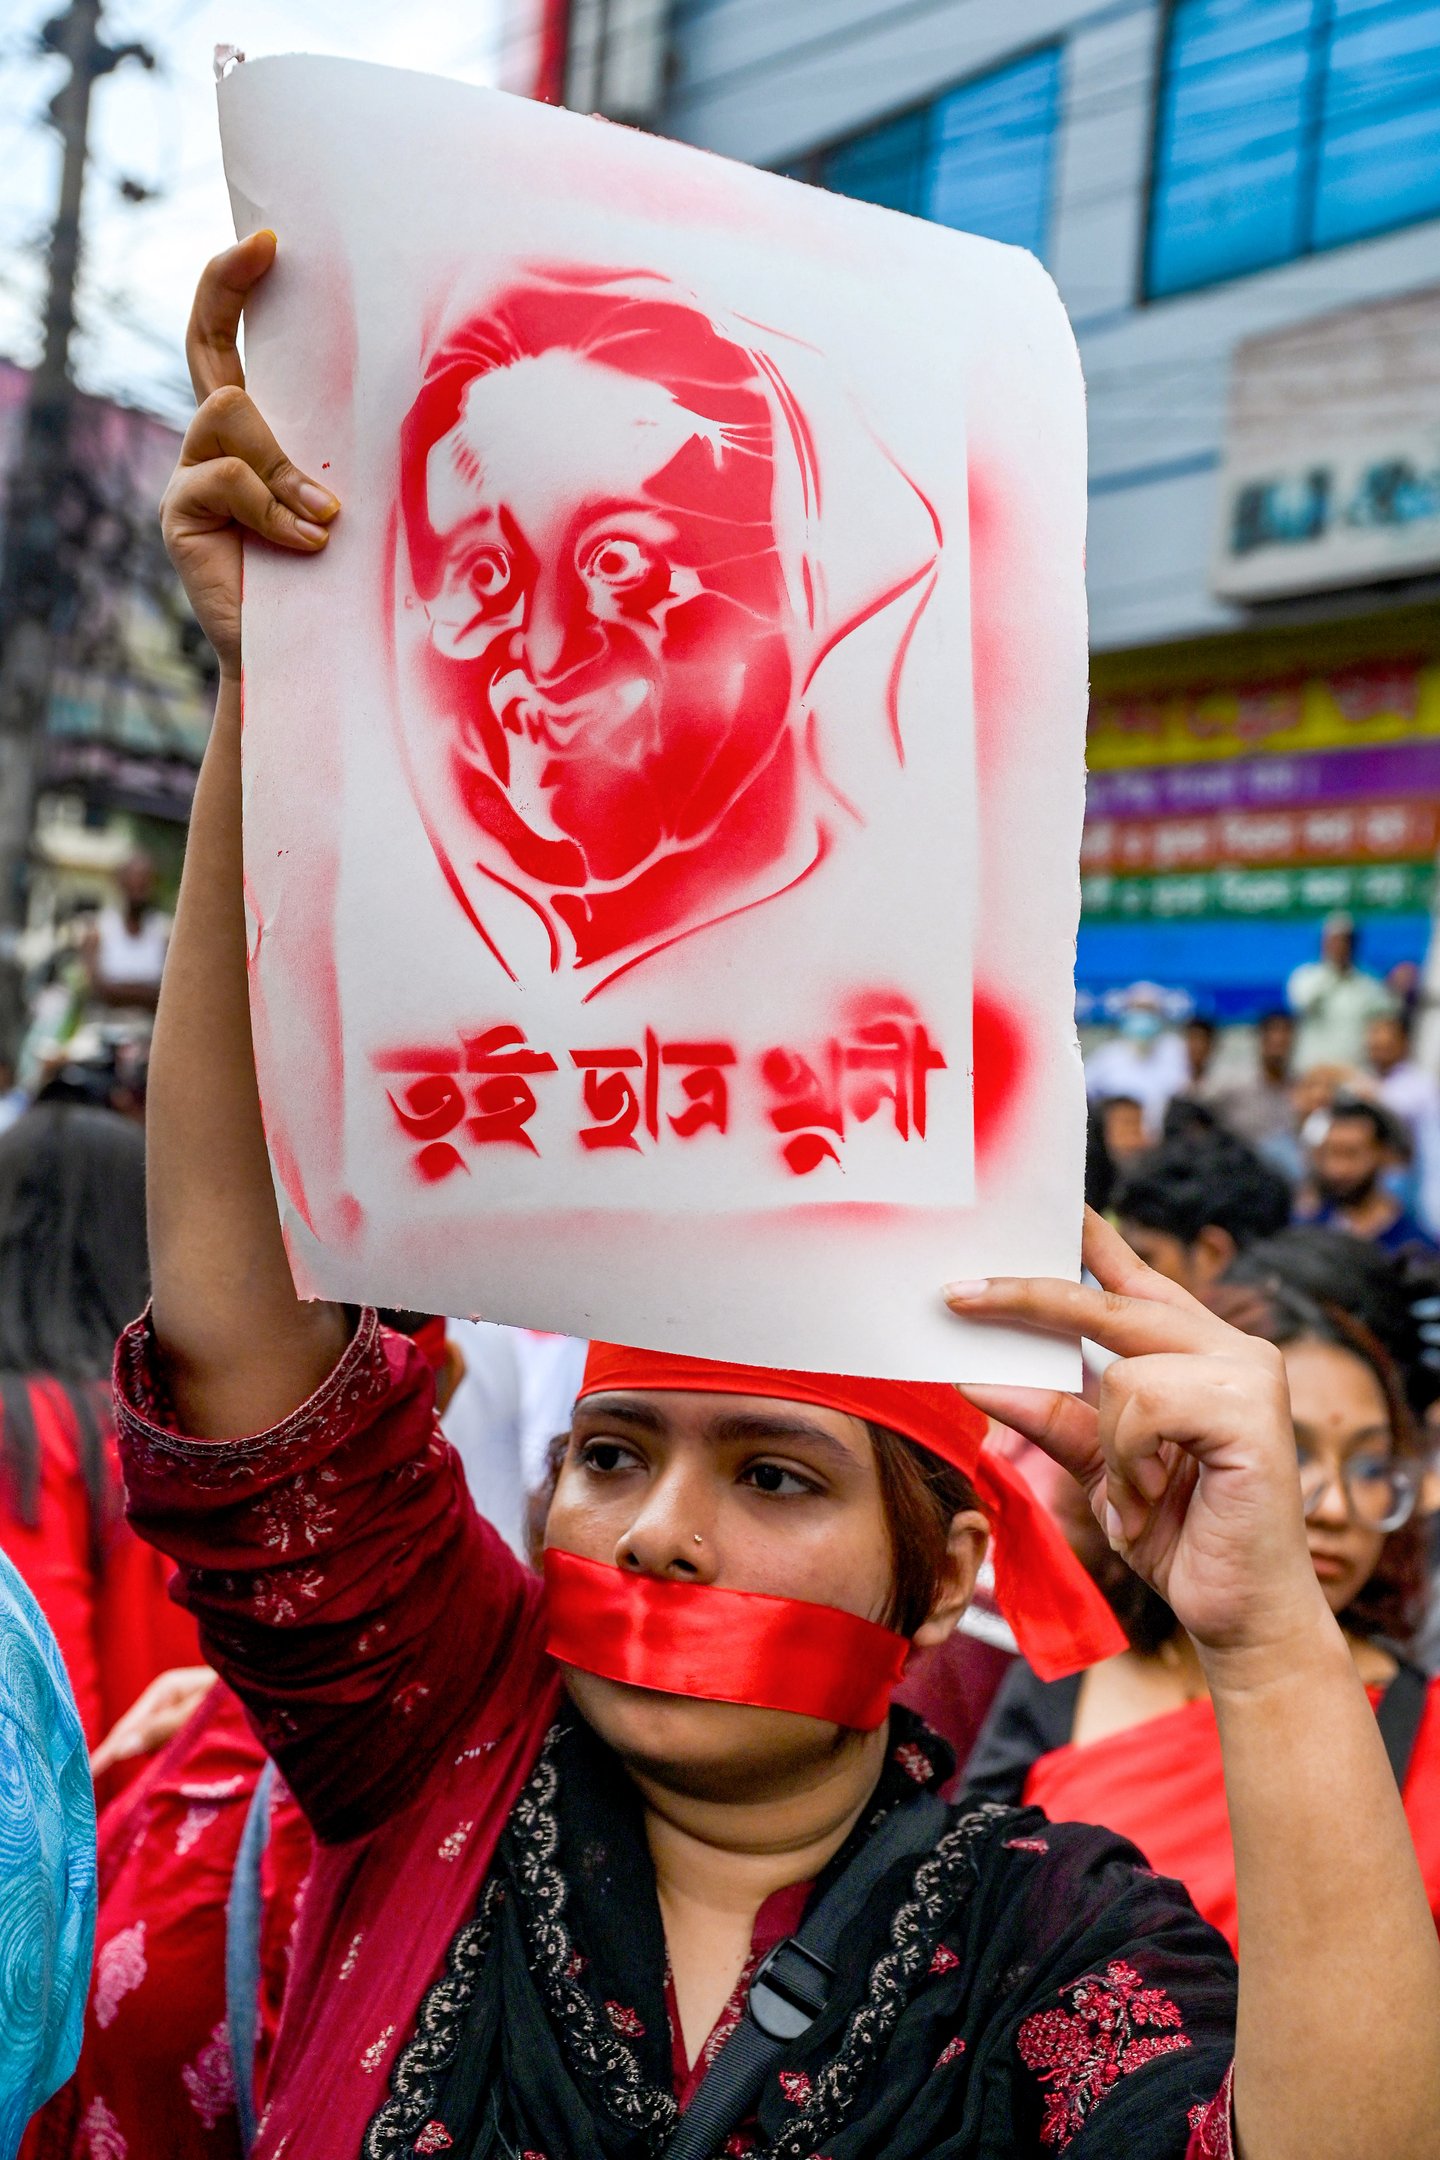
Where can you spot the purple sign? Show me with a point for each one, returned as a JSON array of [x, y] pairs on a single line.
[[1387, 771]]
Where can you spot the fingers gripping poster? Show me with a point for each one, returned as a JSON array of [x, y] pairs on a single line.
[[663, 797]]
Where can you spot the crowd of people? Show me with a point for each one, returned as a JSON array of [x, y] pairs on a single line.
[[1331, 1093], [689, 1759]]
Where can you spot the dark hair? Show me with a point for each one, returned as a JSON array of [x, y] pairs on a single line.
[[73, 1272], [1204, 1023], [1180, 1188], [920, 1495], [1392, 1602], [1274, 1013], [403, 1322], [1099, 1163], [1143, 1614], [1190, 1124], [1373, 1286], [1387, 1128]]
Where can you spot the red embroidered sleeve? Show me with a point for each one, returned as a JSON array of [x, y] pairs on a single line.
[[344, 1584]]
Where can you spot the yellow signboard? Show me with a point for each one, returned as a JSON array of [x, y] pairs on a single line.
[[1347, 711]]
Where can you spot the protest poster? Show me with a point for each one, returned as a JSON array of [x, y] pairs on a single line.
[[663, 798]]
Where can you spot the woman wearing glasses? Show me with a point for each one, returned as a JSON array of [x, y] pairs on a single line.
[[1133, 1743]]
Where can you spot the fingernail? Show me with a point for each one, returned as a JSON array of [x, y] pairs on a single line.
[[956, 1293], [1114, 1527], [317, 498], [307, 531]]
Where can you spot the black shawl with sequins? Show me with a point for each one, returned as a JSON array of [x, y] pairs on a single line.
[[1026, 1989]]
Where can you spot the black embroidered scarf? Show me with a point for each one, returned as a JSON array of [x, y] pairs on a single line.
[[999, 1994]]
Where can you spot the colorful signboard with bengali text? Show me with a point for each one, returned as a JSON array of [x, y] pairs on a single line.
[[1356, 709]]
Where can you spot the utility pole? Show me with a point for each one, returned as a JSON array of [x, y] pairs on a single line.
[[34, 583]]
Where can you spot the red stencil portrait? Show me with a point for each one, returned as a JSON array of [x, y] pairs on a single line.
[[614, 599]]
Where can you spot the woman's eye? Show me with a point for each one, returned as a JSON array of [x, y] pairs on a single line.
[[770, 1477], [1372, 1469], [489, 571], [605, 1456], [617, 562]]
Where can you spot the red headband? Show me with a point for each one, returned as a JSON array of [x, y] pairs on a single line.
[[1060, 1620]]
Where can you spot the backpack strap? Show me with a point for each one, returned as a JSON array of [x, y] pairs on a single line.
[[242, 1952], [792, 1985], [1401, 1712]]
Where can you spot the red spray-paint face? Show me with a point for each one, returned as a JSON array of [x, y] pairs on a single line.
[[588, 485]]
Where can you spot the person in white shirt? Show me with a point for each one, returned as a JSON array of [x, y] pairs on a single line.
[[1402, 1085], [131, 940], [1145, 1062], [1334, 1001], [1413, 1096], [516, 1391]]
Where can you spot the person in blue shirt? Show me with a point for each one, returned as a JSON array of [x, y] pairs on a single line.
[[1347, 1167], [47, 1864]]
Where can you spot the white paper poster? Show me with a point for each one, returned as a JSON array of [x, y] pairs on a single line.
[[663, 797]]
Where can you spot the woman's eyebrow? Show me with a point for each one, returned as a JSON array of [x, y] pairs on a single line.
[[1378, 1431], [629, 1409], [736, 1425], [760, 1425]]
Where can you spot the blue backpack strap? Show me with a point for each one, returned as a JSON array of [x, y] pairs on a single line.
[[242, 1953]]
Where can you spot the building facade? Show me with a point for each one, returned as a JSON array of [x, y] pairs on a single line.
[[129, 679], [1239, 201]]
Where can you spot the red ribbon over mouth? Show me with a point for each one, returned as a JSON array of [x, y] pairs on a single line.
[[736, 1646]]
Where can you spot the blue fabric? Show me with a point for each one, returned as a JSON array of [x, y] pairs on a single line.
[[1405, 1230], [243, 1909], [47, 1864]]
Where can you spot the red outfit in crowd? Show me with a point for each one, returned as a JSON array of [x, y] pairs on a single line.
[[391, 1650], [1162, 1785], [154, 2081], [104, 1592]]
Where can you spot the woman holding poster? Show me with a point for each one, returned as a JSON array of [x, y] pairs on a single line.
[[639, 1861]]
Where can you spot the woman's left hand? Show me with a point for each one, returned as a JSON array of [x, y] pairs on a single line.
[[1188, 1460]]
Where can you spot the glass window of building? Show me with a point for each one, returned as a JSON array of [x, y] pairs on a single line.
[[977, 158], [1289, 125]]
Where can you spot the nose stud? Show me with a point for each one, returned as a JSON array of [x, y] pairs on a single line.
[[698, 1539]]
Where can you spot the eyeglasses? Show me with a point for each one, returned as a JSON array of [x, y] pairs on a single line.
[[1380, 1490]]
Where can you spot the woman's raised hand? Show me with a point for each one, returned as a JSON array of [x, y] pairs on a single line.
[[1188, 1460], [232, 473]]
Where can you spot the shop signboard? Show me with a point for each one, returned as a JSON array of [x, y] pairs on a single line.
[[1311, 890], [1332, 453], [1362, 707], [1404, 831]]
